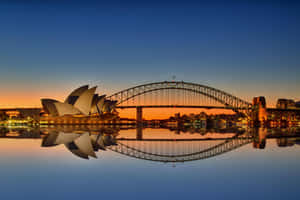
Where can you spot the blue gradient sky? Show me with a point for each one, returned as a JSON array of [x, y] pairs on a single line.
[[247, 48]]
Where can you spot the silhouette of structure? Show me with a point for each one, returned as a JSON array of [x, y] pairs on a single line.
[[177, 94]]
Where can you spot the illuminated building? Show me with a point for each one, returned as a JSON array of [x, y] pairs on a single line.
[[82, 101], [286, 113], [20, 113], [286, 104], [82, 106]]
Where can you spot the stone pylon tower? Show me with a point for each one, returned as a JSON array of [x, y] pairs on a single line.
[[259, 113]]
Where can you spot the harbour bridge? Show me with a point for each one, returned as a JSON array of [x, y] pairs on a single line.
[[177, 94]]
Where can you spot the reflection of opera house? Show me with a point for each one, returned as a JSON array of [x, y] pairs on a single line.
[[82, 106], [82, 145]]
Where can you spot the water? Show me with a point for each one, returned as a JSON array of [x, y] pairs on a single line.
[[30, 171]]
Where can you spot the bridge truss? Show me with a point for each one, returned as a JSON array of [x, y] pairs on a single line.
[[178, 94]]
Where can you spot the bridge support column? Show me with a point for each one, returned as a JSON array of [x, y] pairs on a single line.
[[139, 123], [139, 115]]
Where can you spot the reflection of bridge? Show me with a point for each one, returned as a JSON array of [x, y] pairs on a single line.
[[190, 149], [177, 94], [84, 141], [168, 150]]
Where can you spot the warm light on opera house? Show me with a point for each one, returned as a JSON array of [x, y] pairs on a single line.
[[81, 106], [82, 101]]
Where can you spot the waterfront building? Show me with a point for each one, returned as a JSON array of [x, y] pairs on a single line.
[[82, 106], [286, 104], [82, 101], [286, 113], [20, 114]]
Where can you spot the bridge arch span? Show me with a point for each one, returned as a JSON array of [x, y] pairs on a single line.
[[185, 89]]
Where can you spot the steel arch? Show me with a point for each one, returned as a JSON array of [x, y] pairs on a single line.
[[220, 96]]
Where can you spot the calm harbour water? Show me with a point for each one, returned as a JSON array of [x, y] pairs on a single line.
[[30, 171]]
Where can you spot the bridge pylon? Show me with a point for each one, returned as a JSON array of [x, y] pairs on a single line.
[[139, 115], [139, 123]]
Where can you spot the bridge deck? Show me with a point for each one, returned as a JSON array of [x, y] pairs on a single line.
[[177, 106]]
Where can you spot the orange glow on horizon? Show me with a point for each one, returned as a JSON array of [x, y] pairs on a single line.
[[27, 100], [164, 113], [31, 99]]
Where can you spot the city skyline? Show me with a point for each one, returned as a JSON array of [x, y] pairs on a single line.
[[244, 48]]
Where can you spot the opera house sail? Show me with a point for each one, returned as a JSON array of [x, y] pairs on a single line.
[[81, 102]]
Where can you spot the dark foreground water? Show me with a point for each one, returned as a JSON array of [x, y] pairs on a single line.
[[260, 165]]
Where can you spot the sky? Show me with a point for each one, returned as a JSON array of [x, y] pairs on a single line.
[[246, 48]]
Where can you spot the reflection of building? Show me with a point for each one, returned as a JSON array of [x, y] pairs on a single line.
[[287, 142], [260, 138], [82, 145]]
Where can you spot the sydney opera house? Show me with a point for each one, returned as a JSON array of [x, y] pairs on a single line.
[[82, 102]]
